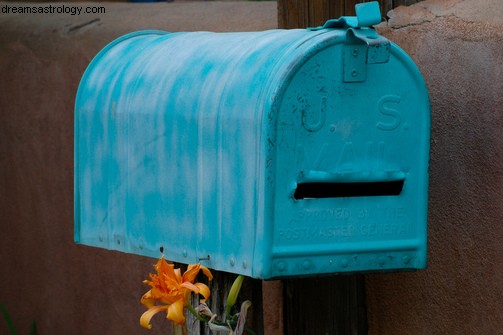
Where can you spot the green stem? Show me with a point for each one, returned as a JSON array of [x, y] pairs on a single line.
[[196, 314], [180, 329]]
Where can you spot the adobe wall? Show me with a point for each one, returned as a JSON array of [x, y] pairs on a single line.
[[44, 275], [70, 289], [458, 46]]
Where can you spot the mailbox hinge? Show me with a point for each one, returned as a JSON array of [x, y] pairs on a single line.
[[363, 44], [362, 47]]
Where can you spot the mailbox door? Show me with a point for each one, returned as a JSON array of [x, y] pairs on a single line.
[[352, 167]]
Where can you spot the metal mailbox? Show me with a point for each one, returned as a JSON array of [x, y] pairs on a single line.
[[270, 154]]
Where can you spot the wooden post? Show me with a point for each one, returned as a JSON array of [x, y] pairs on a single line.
[[313, 13], [329, 305], [335, 304]]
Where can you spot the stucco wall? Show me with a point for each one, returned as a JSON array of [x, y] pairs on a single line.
[[44, 275], [458, 46], [70, 289]]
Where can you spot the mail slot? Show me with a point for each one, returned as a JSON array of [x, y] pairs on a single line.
[[270, 154]]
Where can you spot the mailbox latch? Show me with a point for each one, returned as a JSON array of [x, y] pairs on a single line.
[[363, 47]]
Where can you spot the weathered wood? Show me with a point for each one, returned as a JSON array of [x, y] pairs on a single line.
[[325, 305], [312, 13]]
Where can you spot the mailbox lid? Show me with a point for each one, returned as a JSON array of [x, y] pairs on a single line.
[[173, 138]]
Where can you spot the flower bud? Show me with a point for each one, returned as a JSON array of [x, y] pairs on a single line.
[[233, 293]]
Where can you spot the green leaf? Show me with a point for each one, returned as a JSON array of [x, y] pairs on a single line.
[[33, 328], [7, 320]]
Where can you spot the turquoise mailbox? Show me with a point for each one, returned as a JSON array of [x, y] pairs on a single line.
[[270, 154]]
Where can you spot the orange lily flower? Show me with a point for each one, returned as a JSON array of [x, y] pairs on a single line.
[[171, 291]]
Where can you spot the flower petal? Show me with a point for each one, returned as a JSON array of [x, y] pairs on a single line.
[[147, 316], [178, 275], [167, 273], [175, 312], [191, 273], [207, 272], [240, 326], [203, 290], [165, 297], [147, 299], [162, 266], [190, 286], [218, 328], [169, 281]]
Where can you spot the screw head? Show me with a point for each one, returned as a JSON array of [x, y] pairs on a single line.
[[344, 263]]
